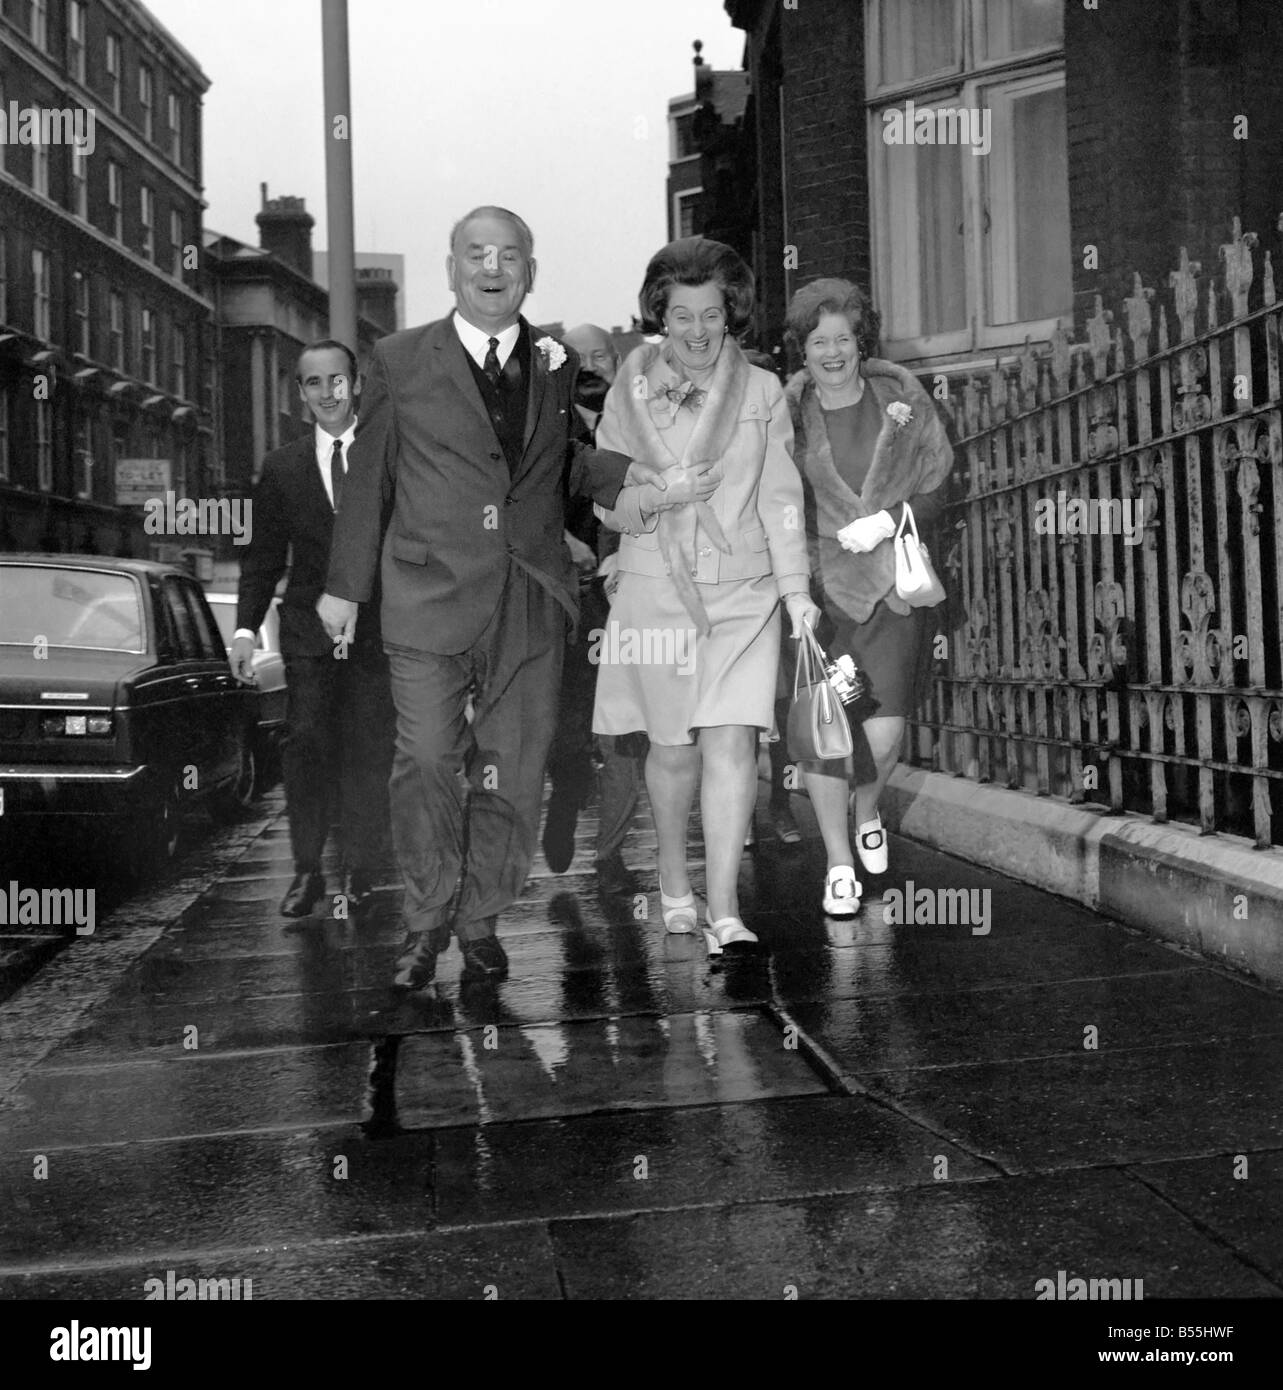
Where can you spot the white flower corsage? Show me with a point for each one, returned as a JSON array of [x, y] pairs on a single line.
[[900, 413], [554, 353]]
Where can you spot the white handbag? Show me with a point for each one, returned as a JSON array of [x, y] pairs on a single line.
[[916, 581]]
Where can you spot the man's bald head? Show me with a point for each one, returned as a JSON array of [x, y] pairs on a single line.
[[595, 349]]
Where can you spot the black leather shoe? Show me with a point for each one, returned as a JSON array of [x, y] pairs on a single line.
[[484, 959], [302, 895], [614, 877], [416, 966], [559, 834], [359, 888]]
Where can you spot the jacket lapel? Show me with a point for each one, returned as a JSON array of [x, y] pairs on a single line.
[[538, 386], [449, 352], [311, 494]]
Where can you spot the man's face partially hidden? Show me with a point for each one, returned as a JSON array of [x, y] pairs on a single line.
[[489, 273]]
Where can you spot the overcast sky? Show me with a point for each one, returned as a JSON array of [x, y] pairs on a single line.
[[555, 108]]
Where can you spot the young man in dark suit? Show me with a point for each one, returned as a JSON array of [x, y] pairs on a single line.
[[340, 718], [465, 434]]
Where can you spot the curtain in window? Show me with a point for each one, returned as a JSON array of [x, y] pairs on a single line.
[[917, 38]]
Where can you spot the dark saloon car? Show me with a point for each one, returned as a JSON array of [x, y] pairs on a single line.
[[117, 704]]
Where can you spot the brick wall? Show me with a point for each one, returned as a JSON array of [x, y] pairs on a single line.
[[1153, 163], [822, 45]]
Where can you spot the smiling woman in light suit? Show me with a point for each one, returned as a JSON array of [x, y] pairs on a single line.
[[691, 654]]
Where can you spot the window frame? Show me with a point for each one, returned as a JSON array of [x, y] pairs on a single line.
[[43, 422], [176, 241], [679, 197], [38, 24], [147, 101], [175, 113], [42, 293], [80, 182], [83, 312], [147, 344], [113, 61], [116, 347], [147, 221], [77, 29], [178, 361], [116, 200], [964, 85]]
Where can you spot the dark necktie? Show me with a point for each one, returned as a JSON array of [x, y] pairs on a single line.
[[336, 472], [491, 365]]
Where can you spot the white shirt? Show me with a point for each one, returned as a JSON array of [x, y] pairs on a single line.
[[323, 443], [477, 340], [324, 450]]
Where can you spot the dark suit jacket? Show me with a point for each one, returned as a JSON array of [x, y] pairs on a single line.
[[425, 443], [292, 523]]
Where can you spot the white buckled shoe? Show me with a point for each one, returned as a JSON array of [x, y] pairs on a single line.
[[841, 892], [871, 845]]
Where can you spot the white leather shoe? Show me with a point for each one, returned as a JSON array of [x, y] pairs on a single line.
[[679, 914], [841, 892], [726, 931], [871, 845]]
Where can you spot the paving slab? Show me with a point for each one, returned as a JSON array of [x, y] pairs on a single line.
[[657, 1159], [233, 1191], [1103, 1107], [903, 1031], [952, 1240], [1236, 1196], [503, 1263]]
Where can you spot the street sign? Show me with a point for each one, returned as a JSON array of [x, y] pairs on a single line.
[[139, 479]]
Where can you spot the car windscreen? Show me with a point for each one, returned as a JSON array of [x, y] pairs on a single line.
[[87, 609]]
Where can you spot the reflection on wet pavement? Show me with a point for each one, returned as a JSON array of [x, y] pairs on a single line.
[[863, 1110]]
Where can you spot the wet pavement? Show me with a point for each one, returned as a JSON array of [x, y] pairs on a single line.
[[868, 1110]]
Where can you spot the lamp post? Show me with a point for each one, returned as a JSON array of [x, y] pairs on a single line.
[[338, 172]]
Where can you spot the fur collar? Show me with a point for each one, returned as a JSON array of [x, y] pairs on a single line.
[[907, 459], [711, 437], [715, 421]]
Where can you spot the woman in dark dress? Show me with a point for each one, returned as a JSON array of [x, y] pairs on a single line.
[[868, 439]]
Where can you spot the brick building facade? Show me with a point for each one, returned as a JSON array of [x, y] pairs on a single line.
[[106, 333], [1112, 128]]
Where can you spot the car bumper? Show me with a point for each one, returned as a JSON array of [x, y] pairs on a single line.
[[63, 789]]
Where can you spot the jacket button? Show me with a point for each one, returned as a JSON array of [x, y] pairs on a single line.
[[507, 501], [706, 550]]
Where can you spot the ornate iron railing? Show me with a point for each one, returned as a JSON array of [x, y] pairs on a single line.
[[1138, 670]]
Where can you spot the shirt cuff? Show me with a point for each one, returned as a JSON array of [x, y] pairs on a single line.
[[790, 584], [244, 632]]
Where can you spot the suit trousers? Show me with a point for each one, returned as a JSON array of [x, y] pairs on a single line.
[[570, 760], [338, 754], [466, 797]]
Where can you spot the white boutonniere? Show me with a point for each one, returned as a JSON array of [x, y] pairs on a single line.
[[554, 353], [900, 413]]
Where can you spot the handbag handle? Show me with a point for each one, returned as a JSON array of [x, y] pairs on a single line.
[[906, 514], [809, 657]]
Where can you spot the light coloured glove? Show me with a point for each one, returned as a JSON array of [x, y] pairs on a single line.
[[865, 532]]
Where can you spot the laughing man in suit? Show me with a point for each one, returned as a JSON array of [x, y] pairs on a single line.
[[340, 716], [466, 435]]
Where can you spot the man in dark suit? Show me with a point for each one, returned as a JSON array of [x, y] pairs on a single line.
[[466, 433], [340, 715]]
